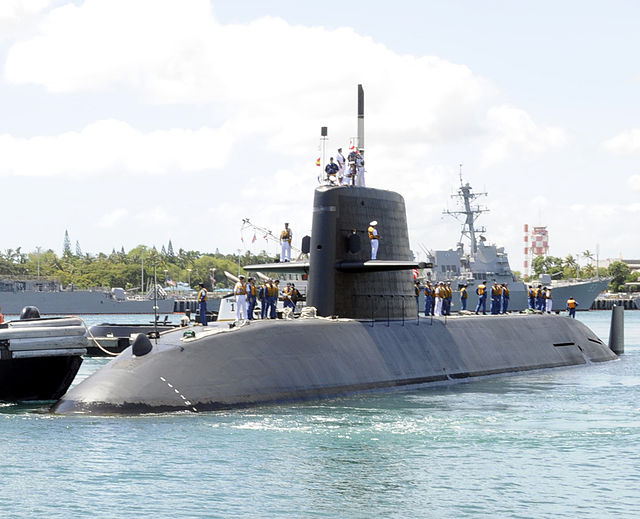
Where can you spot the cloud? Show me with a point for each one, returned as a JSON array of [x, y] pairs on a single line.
[[19, 18], [625, 143], [115, 147], [634, 182], [259, 84], [516, 132], [113, 218]]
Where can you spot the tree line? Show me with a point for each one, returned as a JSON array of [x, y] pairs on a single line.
[[568, 268], [125, 269]]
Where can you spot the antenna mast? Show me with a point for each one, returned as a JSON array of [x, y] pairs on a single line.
[[470, 213]]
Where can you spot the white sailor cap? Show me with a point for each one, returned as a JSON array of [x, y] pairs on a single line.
[[374, 223]]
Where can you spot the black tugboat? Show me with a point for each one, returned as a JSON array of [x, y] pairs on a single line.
[[39, 358]]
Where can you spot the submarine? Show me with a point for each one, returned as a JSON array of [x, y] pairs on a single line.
[[366, 335], [361, 331]]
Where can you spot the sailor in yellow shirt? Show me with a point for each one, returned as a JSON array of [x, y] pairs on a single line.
[[374, 237], [240, 291], [285, 242]]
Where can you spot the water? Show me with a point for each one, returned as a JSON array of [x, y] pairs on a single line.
[[563, 443]]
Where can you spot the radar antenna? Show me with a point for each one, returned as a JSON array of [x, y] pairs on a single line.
[[468, 214]]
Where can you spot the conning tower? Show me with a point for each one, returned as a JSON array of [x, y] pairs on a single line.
[[343, 281]]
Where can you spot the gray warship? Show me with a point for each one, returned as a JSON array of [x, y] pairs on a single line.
[[49, 297], [364, 335], [482, 261]]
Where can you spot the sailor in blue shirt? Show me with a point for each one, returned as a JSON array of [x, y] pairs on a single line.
[[202, 304], [332, 171]]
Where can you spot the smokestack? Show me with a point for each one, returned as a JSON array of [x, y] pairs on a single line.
[[360, 117]]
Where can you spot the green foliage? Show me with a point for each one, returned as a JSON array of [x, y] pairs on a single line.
[[66, 245], [122, 269], [548, 265], [621, 273]]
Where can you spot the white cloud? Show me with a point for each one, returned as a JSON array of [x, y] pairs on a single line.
[[634, 182], [516, 132], [625, 143], [265, 78], [115, 147], [18, 16], [113, 218]]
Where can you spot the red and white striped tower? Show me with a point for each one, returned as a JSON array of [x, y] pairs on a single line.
[[535, 244]]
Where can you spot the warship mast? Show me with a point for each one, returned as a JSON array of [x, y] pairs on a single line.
[[470, 213]]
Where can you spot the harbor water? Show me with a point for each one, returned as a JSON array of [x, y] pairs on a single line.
[[559, 443]]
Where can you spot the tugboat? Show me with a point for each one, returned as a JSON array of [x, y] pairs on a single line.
[[39, 358]]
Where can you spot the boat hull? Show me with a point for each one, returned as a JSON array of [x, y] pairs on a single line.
[[78, 302], [37, 378], [307, 359]]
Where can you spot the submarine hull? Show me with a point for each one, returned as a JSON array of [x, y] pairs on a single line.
[[306, 359]]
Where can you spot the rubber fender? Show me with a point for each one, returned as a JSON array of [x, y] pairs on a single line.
[[30, 312]]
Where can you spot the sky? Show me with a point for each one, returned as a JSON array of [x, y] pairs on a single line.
[[129, 122]]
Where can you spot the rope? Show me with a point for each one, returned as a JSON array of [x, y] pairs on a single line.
[[96, 341]]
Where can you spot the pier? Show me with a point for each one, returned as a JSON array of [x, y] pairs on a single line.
[[607, 302]]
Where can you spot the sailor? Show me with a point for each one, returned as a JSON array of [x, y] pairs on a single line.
[[374, 237], [505, 298], [252, 293], [496, 293], [202, 304], [262, 297], [1, 316], [532, 297], [448, 295], [540, 298], [240, 291], [351, 167], [360, 169], [464, 295], [295, 297], [286, 296], [481, 290], [285, 243], [571, 307], [332, 171], [416, 289], [438, 294], [548, 300], [275, 298], [428, 299], [340, 161]]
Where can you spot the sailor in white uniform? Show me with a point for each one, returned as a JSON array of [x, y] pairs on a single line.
[[285, 242], [360, 169], [240, 291], [373, 237], [340, 161]]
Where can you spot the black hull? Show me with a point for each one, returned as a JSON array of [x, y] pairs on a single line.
[[38, 378]]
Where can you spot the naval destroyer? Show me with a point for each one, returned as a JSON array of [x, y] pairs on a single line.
[[50, 299], [482, 261]]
